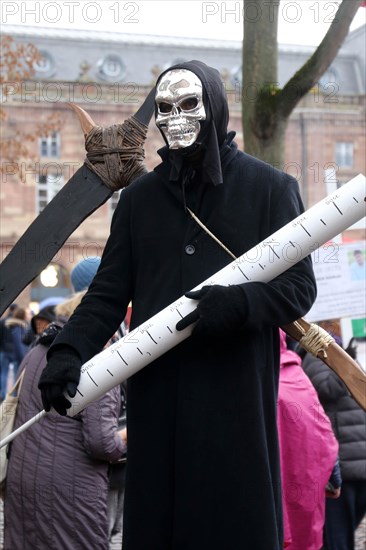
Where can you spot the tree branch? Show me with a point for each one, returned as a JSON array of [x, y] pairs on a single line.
[[315, 67]]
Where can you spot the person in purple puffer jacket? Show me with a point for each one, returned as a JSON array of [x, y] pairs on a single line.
[[57, 481]]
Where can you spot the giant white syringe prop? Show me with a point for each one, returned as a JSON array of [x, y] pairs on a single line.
[[267, 260]]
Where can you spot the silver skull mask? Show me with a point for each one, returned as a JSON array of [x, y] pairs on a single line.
[[180, 107]]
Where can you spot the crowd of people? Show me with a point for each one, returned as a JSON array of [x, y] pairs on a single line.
[[230, 445]]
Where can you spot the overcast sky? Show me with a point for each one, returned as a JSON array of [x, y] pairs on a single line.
[[301, 21]]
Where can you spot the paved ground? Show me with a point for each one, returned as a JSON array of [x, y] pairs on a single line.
[[360, 535]]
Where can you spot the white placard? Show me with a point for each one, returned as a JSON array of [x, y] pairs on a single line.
[[340, 271]]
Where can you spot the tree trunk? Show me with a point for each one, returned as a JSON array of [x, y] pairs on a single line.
[[265, 107], [263, 136]]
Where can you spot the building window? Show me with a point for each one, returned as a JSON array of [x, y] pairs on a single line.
[[236, 76], [344, 154], [330, 77], [111, 68], [48, 185], [45, 66], [49, 146]]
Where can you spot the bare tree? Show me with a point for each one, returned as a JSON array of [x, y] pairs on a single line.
[[16, 66], [265, 113]]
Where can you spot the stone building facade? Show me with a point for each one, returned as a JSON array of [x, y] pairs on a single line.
[[110, 74]]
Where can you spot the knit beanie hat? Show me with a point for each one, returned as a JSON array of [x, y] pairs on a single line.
[[84, 272]]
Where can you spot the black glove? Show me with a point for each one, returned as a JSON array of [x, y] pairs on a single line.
[[220, 309], [61, 373]]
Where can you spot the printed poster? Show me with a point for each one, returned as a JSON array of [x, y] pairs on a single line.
[[340, 271]]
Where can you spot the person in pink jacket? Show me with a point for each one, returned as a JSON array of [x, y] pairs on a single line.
[[308, 451]]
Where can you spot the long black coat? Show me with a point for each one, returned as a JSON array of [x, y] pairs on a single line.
[[203, 467]]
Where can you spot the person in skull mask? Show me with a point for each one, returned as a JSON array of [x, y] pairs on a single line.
[[203, 465]]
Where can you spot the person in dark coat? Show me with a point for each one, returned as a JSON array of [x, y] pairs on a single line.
[[6, 349], [57, 479], [203, 467], [39, 323], [15, 329], [343, 515]]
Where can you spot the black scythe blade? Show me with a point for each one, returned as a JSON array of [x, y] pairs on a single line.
[[79, 198]]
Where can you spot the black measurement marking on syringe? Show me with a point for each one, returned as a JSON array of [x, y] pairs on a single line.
[[323, 222], [110, 372], [354, 198], [179, 313], [242, 272], [292, 244], [122, 358], [138, 349], [170, 330], [79, 392], [337, 208], [274, 252], [147, 332], [94, 382], [306, 231], [261, 266]]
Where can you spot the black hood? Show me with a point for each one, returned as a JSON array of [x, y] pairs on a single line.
[[213, 132]]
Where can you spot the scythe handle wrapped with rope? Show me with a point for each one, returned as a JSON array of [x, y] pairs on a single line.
[[116, 153]]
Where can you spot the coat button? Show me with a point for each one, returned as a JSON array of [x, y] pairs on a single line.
[[190, 249]]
